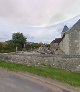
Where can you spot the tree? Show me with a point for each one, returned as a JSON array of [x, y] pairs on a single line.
[[1, 46], [19, 40], [9, 45], [32, 45]]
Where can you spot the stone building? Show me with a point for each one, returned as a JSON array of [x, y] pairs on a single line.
[[70, 40], [55, 44]]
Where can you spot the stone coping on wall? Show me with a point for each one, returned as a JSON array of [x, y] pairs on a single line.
[[43, 55], [70, 56]]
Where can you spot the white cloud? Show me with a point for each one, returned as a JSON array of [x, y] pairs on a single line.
[[26, 15], [38, 12]]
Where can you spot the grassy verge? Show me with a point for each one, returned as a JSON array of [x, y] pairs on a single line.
[[71, 78]]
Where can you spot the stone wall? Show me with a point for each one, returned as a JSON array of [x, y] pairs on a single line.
[[54, 46], [71, 63], [74, 42], [64, 44], [70, 44]]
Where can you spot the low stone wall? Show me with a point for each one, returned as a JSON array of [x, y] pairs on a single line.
[[71, 63]]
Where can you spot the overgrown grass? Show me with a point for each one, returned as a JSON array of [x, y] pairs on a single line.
[[71, 78]]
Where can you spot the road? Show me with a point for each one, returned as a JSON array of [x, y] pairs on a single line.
[[14, 82]]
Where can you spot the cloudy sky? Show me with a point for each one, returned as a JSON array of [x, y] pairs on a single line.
[[39, 20]]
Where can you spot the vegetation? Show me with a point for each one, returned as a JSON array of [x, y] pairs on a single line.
[[6, 47], [32, 46], [71, 78], [19, 40]]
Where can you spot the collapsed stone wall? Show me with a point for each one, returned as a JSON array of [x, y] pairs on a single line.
[[71, 63]]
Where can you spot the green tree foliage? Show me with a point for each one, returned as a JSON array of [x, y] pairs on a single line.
[[9, 45], [1, 46], [19, 40], [32, 46], [6, 47]]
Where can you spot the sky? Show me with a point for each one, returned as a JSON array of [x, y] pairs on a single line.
[[38, 20]]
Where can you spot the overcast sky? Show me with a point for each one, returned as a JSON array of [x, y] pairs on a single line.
[[33, 18]]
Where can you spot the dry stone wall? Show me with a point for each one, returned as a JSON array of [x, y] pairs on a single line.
[[71, 63]]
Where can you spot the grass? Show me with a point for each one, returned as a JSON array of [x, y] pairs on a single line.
[[71, 78]]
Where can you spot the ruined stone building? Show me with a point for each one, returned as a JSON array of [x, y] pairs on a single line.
[[55, 44], [69, 42]]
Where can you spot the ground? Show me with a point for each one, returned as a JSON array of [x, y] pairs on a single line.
[[26, 82]]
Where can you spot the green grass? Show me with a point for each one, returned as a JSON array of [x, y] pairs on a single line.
[[71, 78]]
